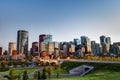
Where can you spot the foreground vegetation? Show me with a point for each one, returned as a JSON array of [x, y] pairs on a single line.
[[101, 71], [96, 75]]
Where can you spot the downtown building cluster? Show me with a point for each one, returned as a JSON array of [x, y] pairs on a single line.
[[79, 47]]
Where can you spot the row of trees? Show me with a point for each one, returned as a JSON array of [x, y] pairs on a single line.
[[38, 75]]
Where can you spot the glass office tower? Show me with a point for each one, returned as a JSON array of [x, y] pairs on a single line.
[[22, 42], [44, 39]]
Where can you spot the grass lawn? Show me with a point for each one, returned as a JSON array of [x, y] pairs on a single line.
[[29, 71], [20, 70], [95, 75], [101, 72]]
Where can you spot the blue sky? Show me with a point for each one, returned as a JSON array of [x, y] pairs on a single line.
[[64, 19]]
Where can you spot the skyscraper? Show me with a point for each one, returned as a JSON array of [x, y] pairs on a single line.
[[85, 41], [105, 42], [11, 47], [48, 38], [51, 48], [22, 42], [72, 48], [76, 42], [102, 39], [93, 47], [57, 49], [108, 40], [34, 49], [96, 48], [44, 39]]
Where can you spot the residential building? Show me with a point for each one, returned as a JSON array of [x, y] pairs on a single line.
[[105, 42]]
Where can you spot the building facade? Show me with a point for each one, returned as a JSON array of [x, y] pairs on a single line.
[[76, 42], [85, 41], [22, 42], [51, 48], [11, 48], [44, 39], [105, 43], [34, 49]]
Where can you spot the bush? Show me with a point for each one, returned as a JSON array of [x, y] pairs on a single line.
[[3, 66], [4, 69]]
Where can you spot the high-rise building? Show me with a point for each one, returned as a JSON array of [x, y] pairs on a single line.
[[85, 41], [43, 47], [34, 49], [11, 47], [93, 47], [0, 50], [115, 48], [108, 40], [76, 42], [51, 48], [96, 48], [48, 38], [105, 42], [102, 39], [57, 49], [22, 42], [72, 48], [65, 48], [57, 46], [44, 39]]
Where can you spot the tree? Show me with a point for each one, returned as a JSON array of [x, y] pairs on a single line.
[[25, 75], [4, 66], [49, 71], [38, 75], [44, 74], [12, 74], [19, 77], [57, 67], [35, 75], [6, 52]]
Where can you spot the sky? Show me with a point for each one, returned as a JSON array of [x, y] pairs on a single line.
[[64, 19]]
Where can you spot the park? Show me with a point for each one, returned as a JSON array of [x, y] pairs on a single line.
[[101, 71]]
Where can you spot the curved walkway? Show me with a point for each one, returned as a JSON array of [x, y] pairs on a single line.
[[78, 71]]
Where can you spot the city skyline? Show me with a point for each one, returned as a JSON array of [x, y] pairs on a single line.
[[64, 19]]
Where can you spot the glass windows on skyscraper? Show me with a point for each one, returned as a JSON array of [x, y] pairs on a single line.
[[22, 42]]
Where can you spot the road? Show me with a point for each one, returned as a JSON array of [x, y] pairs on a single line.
[[92, 61]]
